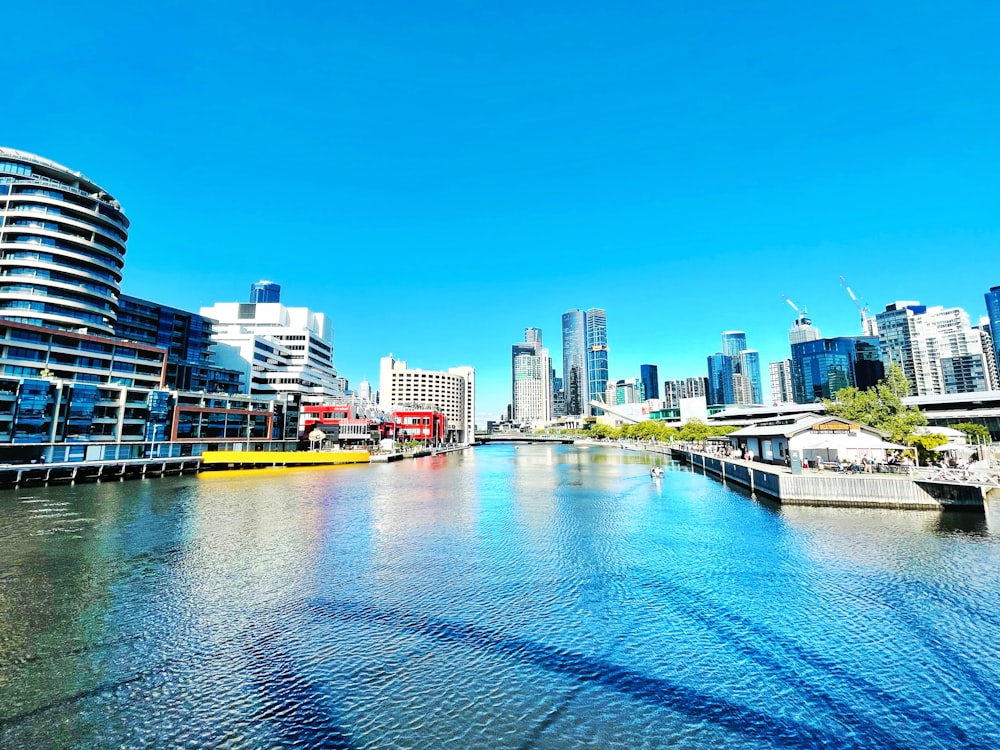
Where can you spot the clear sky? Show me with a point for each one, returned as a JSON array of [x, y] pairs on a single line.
[[436, 176]]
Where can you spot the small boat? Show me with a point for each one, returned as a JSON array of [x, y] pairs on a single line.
[[656, 472]]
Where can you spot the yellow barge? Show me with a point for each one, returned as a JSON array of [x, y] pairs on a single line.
[[220, 460]]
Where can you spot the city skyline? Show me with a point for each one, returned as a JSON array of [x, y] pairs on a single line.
[[721, 157]]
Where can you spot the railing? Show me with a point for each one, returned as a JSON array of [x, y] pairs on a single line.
[[967, 475]]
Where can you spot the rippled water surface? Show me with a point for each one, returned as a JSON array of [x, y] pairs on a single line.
[[507, 597]]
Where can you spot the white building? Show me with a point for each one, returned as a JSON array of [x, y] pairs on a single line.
[[286, 350], [531, 380], [936, 347], [453, 393], [781, 381]]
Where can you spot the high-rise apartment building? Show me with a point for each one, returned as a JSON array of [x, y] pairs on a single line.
[[187, 338], [575, 381], [935, 346], [985, 330], [452, 393], [265, 291], [650, 381], [822, 367], [781, 382], [531, 388], [597, 350], [62, 246]]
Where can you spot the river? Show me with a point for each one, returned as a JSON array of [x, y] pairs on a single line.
[[535, 596]]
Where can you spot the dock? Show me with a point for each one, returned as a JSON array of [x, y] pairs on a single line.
[[77, 472], [221, 460]]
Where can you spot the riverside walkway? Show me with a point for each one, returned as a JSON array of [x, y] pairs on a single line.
[[924, 488]]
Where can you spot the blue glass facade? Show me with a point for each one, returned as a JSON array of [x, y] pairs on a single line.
[[821, 368], [720, 379], [993, 310], [265, 291], [650, 381], [575, 382], [597, 352]]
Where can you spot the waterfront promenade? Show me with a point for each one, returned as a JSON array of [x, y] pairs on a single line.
[[918, 489]]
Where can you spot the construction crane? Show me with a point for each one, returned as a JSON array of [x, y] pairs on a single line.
[[867, 324], [801, 313]]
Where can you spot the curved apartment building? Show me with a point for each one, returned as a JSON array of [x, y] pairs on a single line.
[[62, 246]]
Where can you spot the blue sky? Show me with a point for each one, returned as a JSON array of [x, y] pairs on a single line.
[[437, 176]]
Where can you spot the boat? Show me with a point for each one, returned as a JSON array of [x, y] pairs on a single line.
[[656, 472]]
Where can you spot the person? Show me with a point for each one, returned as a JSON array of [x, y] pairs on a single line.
[[819, 462]]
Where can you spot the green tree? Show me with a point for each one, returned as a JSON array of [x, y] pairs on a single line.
[[925, 445], [975, 432], [880, 407], [694, 430]]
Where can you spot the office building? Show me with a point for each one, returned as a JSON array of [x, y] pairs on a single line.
[[62, 246], [265, 291], [993, 313], [531, 380], [187, 339], [936, 348], [597, 351], [280, 350], [822, 367], [734, 373], [451, 392], [650, 381], [803, 330], [576, 384]]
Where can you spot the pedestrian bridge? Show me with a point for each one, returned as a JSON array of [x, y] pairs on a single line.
[[521, 437]]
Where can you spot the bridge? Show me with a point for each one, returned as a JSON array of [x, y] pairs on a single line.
[[521, 437]]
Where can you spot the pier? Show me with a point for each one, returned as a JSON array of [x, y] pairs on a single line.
[[925, 489], [40, 474]]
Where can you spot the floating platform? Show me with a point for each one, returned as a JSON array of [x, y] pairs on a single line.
[[221, 460]]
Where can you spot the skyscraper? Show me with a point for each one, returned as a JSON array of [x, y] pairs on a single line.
[[531, 388], [781, 382], [993, 311], [575, 381], [62, 246], [597, 350], [650, 381], [265, 291], [822, 367], [734, 373], [935, 346]]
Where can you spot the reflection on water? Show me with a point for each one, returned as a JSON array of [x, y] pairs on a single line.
[[511, 596]]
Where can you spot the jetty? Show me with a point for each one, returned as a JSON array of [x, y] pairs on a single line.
[[918, 489]]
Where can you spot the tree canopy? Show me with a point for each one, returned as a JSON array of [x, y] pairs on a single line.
[[976, 432], [880, 407]]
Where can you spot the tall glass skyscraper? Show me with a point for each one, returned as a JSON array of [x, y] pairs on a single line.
[[650, 381], [265, 291], [993, 310], [734, 373], [575, 382], [597, 351], [62, 246]]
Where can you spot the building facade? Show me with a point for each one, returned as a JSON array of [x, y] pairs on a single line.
[[781, 382], [734, 373], [265, 291], [187, 339], [62, 246], [936, 348], [576, 383], [993, 313], [452, 393], [650, 381], [597, 350], [531, 380], [280, 350], [822, 367]]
